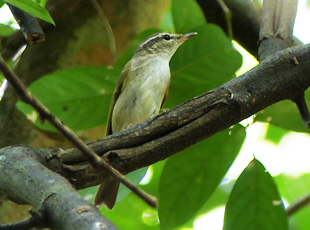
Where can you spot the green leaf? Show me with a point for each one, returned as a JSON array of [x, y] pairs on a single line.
[[133, 213], [1, 3], [42, 2], [187, 14], [32, 8], [73, 105], [191, 176], [284, 114], [275, 134], [205, 61], [135, 177], [167, 24], [292, 189], [80, 96], [254, 202], [6, 30], [138, 214]]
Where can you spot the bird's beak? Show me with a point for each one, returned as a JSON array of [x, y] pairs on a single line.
[[186, 36]]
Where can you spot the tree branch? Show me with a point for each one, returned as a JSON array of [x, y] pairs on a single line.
[[245, 20], [276, 33], [25, 180], [94, 160], [298, 205], [28, 25], [197, 119]]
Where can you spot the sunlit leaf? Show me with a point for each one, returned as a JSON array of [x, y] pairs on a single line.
[[254, 202], [6, 30], [187, 15], [43, 2], [292, 189], [168, 24], [284, 114], [135, 177], [80, 96], [275, 134], [190, 177], [138, 214], [1, 3], [205, 61]]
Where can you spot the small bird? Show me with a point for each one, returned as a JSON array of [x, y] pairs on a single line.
[[141, 90]]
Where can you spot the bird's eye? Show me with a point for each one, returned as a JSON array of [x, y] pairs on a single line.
[[166, 37]]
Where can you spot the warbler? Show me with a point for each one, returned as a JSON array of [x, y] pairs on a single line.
[[141, 90]]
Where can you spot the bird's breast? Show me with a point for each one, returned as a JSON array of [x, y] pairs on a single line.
[[141, 99]]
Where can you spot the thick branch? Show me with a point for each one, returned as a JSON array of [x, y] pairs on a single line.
[[25, 180], [246, 19], [170, 132], [33, 33], [195, 120]]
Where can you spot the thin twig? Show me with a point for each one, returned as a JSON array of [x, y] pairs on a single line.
[[301, 103], [108, 27], [227, 12], [297, 205], [94, 159]]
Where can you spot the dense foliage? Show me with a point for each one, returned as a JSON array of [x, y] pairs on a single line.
[[192, 182]]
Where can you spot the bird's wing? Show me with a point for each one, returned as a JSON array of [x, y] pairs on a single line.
[[118, 89], [165, 96]]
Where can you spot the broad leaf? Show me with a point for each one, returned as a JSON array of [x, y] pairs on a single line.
[[275, 134], [138, 214], [80, 96], [190, 177], [292, 189], [254, 202], [42, 2], [284, 114], [167, 24], [32, 8], [6, 30], [205, 61], [135, 177], [187, 15]]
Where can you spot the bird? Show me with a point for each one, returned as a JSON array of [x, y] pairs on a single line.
[[140, 92]]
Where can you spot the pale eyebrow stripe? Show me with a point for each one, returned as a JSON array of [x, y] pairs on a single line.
[[150, 38]]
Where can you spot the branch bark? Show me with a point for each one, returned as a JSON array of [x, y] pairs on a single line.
[[198, 118], [276, 33], [25, 180], [182, 126]]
